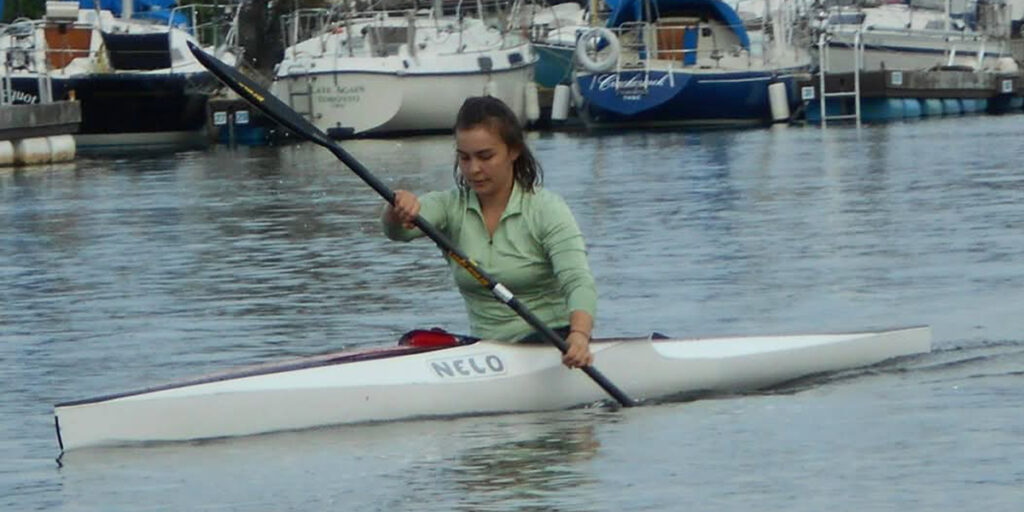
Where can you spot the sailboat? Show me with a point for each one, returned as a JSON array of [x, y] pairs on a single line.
[[386, 72], [136, 82], [683, 62]]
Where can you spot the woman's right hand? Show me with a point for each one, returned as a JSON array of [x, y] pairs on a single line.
[[405, 208]]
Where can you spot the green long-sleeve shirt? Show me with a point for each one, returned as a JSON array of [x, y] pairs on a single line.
[[537, 252]]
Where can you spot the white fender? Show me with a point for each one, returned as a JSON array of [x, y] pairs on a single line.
[[6, 153], [532, 102], [560, 103], [605, 59]]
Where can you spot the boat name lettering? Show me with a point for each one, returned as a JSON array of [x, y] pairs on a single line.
[[355, 89], [339, 96], [635, 82], [469, 366], [13, 97]]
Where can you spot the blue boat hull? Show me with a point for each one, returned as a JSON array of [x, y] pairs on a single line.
[[554, 65], [684, 97]]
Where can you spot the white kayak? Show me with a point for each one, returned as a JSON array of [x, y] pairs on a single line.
[[481, 378]]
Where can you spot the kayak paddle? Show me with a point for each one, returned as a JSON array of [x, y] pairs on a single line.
[[275, 109]]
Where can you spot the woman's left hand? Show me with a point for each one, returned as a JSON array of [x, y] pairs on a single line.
[[578, 354]]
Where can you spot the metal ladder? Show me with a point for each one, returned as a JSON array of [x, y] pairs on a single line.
[[296, 91], [823, 67]]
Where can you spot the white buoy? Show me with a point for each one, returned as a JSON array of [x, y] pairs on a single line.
[[6, 153], [779, 102], [560, 103], [31, 151], [62, 148], [532, 102], [577, 95], [606, 58]]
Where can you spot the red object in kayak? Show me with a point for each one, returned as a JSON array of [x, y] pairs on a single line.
[[435, 337]]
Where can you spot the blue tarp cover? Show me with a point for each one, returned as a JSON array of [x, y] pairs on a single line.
[[155, 10], [633, 10]]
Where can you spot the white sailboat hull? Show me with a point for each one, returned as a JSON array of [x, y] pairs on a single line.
[[381, 74], [481, 378], [910, 50], [374, 103]]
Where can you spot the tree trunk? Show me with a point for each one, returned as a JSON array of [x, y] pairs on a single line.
[[259, 34]]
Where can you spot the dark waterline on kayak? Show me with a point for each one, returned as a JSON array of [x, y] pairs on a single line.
[[122, 272]]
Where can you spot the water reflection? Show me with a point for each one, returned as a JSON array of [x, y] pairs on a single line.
[[526, 472], [120, 273], [544, 464]]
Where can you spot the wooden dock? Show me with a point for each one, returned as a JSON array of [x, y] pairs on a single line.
[[889, 95], [941, 83], [39, 119]]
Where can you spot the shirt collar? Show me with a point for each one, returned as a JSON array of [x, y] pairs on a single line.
[[514, 206]]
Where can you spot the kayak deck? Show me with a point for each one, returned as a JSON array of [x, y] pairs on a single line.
[[394, 383]]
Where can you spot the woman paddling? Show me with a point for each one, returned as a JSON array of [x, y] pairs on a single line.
[[523, 235]]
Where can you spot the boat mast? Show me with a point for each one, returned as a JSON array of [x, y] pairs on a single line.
[[947, 2], [348, 26], [410, 33]]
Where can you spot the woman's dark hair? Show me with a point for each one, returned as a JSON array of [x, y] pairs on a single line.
[[493, 113]]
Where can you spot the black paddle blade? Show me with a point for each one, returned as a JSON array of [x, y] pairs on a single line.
[[260, 98]]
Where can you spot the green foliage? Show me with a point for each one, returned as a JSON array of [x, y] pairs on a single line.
[[14, 9]]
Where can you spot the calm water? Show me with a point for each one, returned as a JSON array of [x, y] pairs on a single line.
[[116, 273]]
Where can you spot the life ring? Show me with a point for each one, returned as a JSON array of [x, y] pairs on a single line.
[[605, 58]]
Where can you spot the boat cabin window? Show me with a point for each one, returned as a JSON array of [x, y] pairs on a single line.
[[385, 41], [138, 51]]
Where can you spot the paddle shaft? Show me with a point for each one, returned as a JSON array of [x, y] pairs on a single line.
[[274, 108]]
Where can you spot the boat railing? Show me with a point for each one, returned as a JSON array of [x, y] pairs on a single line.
[[306, 23], [446, 7], [303, 24], [384, 34], [210, 24], [643, 44], [850, 21], [539, 21], [946, 35], [51, 49], [954, 43], [23, 52]]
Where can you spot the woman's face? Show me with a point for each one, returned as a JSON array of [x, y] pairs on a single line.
[[485, 161]]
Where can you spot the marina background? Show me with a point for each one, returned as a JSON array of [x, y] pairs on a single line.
[[393, 67], [122, 271]]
